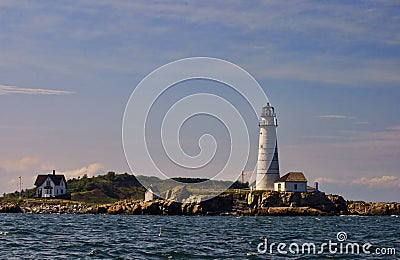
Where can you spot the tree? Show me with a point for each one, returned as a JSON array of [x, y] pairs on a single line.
[[111, 176]]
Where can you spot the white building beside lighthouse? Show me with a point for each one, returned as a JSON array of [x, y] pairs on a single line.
[[267, 164]]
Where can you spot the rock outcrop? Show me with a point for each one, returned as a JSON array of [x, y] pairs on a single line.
[[373, 208], [239, 203], [331, 204], [178, 193], [214, 206], [10, 208]]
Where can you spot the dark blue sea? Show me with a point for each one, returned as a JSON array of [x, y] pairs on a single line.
[[54, 236]]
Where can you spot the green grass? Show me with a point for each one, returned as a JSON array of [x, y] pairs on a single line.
[[92, 197], [237, 191]]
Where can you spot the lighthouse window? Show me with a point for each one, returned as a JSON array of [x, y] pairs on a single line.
[[261, 146]]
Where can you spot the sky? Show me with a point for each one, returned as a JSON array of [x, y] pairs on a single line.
[[331, 70]]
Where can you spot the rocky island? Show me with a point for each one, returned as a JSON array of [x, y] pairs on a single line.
[[232, 202]]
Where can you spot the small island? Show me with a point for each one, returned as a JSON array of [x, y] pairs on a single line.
[[123, 194]]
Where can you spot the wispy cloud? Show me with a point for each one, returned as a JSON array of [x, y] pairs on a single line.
[[385, 139], [19, 165], [385, 181], [334, 116], [339, 25], [90, 170], [334, 19], [31, 91], [382, 181], [361, 159], [321, 136], [24, 164]]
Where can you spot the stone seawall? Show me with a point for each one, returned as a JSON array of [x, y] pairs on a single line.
[[254, 203]]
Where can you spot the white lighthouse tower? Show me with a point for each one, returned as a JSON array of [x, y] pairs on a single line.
[[267, 164]]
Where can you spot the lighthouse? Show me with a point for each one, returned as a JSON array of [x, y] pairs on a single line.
[[267, 164]]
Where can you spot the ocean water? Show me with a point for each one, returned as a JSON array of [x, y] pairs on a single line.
[[192, 237]]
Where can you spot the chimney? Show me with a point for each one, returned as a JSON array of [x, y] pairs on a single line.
[[316, 186], [54, 172]]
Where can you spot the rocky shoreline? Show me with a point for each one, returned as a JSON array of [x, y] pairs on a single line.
[[255, 203]]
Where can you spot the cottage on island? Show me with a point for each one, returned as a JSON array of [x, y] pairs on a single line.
[[291, 182], [50, 185]]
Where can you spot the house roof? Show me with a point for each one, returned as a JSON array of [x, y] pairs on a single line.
[[41, 178], [292, 177]]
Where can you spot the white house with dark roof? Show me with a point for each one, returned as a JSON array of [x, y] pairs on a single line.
[[50, 185], [292, 182]]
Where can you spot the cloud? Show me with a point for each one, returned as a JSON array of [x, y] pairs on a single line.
[[90, 170], [19, 165], [338, 24], [333, 69], [334, 116], [357, 159], [384, 182], [30, 91], [380, 140], [335, 20], [351, 118]]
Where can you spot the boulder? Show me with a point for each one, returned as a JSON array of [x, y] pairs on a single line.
[[295, 211], [271, 199], [178, 193], [115, 209], [339, 203], [151, 208], [136, 209], [172, 208], [102, 209], [373, 208], [11, 208], [217, 204], [198, 210]]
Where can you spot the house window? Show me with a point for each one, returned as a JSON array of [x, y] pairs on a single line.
[[279, 187], [295, 186], [62, 191], [48, 182]]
